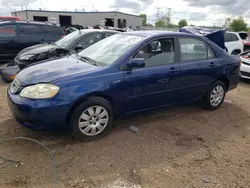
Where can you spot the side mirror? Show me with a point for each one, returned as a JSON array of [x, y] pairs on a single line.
[[136, 63], [78, 47]]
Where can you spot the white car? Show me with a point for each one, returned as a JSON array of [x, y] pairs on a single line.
[[233, 43], [245, 66]]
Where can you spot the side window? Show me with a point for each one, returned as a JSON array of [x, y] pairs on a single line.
[[89, 40], [230, 37], [31, 29], [108, 34], [234, 37], [194, 49], [8, 31], [158, 52], [53, 30], [227, 37]]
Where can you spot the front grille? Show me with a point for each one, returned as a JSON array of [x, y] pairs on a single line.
[[15, 86], [247, 74]]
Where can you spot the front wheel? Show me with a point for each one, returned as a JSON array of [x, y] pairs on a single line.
[[214, 96], [92, 119]]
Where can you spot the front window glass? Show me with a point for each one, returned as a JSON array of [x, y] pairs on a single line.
[[108, 50], [69, 39]]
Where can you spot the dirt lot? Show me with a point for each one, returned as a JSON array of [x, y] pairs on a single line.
[[181, 147]]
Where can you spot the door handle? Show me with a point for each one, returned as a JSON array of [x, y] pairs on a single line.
[[212, 64], [162, 81], [172, 70], [12, 41]]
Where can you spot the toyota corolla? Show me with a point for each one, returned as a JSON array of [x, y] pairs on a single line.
[[123, 74]]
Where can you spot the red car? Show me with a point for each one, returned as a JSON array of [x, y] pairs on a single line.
[[9, 18]]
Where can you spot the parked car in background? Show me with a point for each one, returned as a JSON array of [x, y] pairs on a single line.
[[245, 66], [234, 43], [70, 30], [71, 43], [123, 74], [229, 41], [17, 35], [246, 41], [9, 18]]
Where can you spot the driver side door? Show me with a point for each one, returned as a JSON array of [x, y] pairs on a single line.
[[154, 85]]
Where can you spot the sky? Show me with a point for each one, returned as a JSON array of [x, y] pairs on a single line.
[[197, 12]]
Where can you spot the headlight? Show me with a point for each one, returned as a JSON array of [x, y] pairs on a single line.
[[27, 57], [39, 91]]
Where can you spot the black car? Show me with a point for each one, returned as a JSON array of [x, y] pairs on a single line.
[[17, 35], [74, 42], [71, 43]]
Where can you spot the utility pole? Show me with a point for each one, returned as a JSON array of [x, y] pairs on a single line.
[[158, 16], [168, 17]]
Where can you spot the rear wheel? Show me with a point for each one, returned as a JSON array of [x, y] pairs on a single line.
[[214, 96], [92, 119]]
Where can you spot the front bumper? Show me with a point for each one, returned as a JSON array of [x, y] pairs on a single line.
[[245, 71], [8, 73], [39, 114]]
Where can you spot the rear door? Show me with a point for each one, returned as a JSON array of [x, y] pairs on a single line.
[[30, 34], [198, 68], [8, 42]]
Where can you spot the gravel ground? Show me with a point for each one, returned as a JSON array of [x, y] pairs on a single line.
[[179, 147]]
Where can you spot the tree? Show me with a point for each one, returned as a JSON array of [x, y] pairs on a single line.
[[182, 23], [160, 23], [238, 25], [144, 19]]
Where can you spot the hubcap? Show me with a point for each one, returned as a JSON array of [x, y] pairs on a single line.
[[93, 120], [217, 96]]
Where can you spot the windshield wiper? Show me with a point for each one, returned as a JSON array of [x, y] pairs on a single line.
[[93, 62]]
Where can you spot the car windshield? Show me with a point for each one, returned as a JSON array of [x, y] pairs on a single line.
[[108, 50], [68, 39]]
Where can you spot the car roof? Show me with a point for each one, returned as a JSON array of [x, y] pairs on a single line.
[[151, 33], [97, 30], [29, 22], [232, 32]]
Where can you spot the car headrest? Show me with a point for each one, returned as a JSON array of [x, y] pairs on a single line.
[[199, 48]]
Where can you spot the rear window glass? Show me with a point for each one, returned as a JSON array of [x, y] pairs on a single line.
[[8, 31], [31, 29], [53, 30], [243, 36]]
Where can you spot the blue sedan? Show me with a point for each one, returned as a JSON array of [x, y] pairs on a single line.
[[123, 74]]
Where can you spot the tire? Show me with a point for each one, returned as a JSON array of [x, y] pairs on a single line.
[[208, 102], [81, 128]]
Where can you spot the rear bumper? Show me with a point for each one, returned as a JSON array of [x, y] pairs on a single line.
[[39, 114], [234, 80]]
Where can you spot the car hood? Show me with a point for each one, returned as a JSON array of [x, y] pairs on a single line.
[[37, 49], [52, 70]]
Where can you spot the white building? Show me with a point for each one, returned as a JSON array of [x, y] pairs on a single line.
[[112, 18]]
